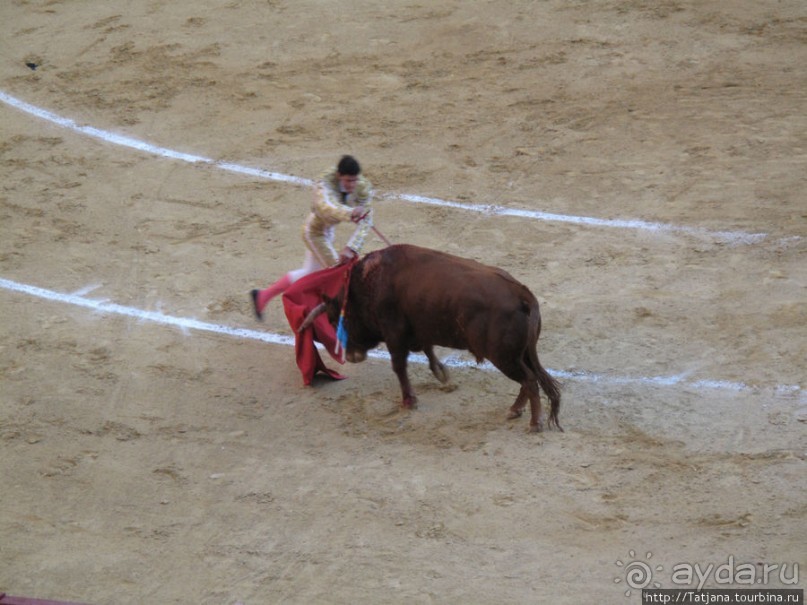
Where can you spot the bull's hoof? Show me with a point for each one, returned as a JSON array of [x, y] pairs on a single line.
[[440, 372], [537, 428], [409, 403], [513, 414]]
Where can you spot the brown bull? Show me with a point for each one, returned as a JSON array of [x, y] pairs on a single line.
[[414, 299]]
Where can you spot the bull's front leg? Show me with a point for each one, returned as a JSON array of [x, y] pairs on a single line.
[[399, 357]]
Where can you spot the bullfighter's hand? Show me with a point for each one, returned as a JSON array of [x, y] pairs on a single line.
[[358, 214], [347, 255]]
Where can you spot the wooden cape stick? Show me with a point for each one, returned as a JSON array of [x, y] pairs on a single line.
[[381, 235], [374, 228]]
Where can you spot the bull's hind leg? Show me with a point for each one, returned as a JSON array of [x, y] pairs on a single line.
[[529, 391], [517, 409], [523, 375], [438, 369], [536, 421]]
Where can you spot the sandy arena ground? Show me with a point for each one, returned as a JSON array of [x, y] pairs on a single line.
[[143, 462]]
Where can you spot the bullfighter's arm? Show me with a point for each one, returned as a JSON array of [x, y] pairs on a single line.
[[364, 198], [356, 241], [328, 207]]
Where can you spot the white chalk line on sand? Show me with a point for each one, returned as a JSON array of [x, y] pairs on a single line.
[[184, 323], [732, 237]]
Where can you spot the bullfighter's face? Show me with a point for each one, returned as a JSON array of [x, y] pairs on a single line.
[[347, 182]]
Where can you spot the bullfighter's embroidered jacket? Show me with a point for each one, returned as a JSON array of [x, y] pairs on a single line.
[[332, 206]]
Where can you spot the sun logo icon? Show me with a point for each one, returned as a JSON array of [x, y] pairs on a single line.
[[638, 574]]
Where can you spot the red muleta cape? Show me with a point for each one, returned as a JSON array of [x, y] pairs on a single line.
[[301, 297]]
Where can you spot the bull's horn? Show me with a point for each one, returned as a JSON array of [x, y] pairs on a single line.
[[312, 315]]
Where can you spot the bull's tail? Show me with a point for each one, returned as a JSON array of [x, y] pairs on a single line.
[[549, 385], [552, 389]]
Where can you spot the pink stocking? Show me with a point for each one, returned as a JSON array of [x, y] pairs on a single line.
[[267, 294]]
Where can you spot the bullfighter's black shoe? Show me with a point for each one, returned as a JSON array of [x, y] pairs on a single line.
[[258, 314]]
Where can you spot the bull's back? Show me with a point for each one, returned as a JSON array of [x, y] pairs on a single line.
[[430, 275], [452, 301]]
